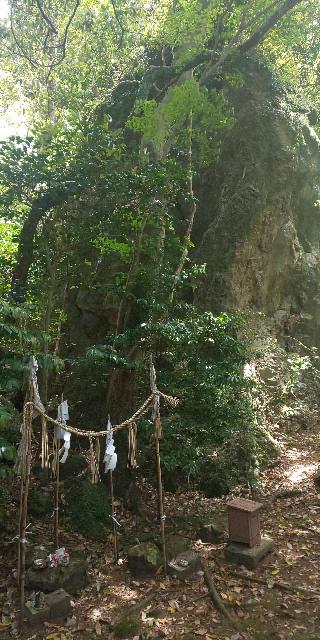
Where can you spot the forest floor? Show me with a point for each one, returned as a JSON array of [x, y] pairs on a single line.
[[182, 609]]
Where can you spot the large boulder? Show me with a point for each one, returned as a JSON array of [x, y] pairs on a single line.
[[72, 578], [144, 559]]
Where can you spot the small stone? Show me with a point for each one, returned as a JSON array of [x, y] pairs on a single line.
[[249, 556], [59, 603], [184, 565], [36, 615], [144, 559]]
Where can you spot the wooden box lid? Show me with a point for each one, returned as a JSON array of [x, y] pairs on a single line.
[[245, 505]]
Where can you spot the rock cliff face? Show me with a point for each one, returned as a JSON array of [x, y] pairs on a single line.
[[257, 229], [260, 235]]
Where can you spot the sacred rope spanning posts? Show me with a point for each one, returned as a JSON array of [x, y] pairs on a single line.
[[34, 407], [170, 400]]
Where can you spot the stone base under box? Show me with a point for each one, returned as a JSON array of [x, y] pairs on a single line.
[[248, 556]]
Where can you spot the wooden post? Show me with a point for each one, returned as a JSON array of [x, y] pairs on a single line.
[[115, 532], [157, 435]]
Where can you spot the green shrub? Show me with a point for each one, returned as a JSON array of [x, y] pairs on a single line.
[[199, 359], [40, 503], [88, 508], [9, 437]]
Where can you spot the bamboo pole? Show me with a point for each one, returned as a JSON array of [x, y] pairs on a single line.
[[160, 501], [157, 435], [115, 531], [23, 509], [28, 398], [56, 492], [56, 497]]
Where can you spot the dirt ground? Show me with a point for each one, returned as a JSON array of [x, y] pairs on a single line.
[[178, 609]]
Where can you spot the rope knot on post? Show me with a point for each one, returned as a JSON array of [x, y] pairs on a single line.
[[156, 402]]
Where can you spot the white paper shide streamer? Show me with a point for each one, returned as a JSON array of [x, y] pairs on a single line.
[[62, 434], [110, 456]]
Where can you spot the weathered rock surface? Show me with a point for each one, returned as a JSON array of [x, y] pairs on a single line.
[[258, 228], [72, 578], [144, 559]]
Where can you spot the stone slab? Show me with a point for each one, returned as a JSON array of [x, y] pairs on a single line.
[[36, 616], [184, 565], [248, 556], [59, 603]]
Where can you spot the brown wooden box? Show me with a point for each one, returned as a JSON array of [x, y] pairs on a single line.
[[244, 521]]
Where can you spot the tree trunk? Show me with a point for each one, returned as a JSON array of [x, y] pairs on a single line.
[[25, 252]]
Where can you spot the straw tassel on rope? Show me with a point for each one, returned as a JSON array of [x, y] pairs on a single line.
[[94, 460], [132, 446]]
